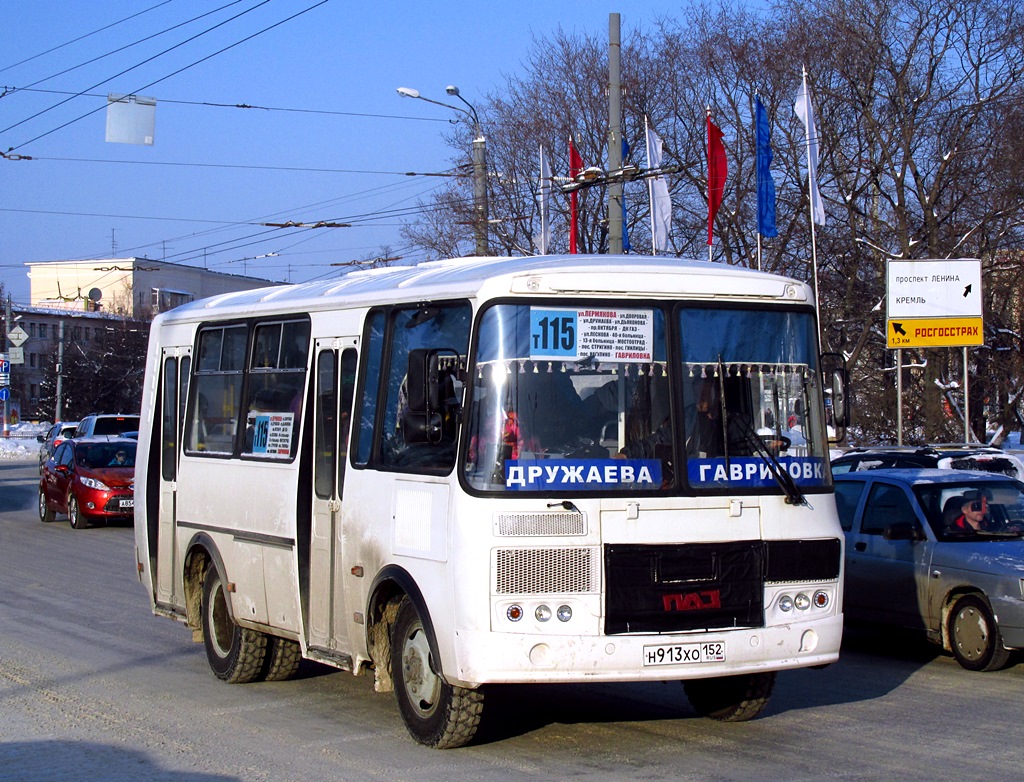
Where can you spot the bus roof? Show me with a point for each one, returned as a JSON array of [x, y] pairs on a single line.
[[636, 276]]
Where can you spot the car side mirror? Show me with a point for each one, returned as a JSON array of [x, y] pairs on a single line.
[[903, 530]]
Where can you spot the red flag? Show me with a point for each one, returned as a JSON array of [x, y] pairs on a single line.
[[575, 167], [717, 170]]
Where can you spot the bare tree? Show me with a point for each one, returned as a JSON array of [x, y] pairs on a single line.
[[918, 106]]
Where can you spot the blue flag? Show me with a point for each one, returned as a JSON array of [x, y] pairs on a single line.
[[765, 183], [625, 226]]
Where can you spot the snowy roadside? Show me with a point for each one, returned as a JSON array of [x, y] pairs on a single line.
[[22, 445]]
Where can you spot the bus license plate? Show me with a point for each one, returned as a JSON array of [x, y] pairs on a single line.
[[676, 654], [126, 503]]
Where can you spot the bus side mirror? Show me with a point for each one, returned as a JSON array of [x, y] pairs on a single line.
[[837, 390], [430, 409]]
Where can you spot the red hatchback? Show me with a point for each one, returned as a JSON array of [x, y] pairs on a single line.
[[90, 480]]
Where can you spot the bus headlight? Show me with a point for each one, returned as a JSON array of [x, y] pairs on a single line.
[[564, 613], [821, 599], [543, 613], [802, 602], [786, 603], [514, 613]]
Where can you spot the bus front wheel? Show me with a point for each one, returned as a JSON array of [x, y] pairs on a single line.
[[731, 698], [436, 714], [235, 653]]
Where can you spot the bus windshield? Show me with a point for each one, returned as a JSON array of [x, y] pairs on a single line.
[[587, 399]]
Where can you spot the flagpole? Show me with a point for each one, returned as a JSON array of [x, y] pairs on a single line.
[[708, 117], [810, 207], [757, 184], [650, 187]]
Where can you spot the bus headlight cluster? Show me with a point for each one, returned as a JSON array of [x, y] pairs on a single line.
[[541, 613], [801, 602]]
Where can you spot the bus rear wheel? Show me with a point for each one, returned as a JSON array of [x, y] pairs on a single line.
[[731, 698], [282, 659], [235, 653], [436, 714]]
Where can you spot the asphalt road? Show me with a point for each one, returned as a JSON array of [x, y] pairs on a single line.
[[94, 687]]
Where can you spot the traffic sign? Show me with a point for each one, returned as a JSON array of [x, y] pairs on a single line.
[[934, 303], [17, 336], [935, 332], [5, 394], [17, 355], [5, 366]]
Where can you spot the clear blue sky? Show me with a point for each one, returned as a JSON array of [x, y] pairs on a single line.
[[188, 198]]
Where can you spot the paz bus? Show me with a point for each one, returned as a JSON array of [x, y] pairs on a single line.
[[498, 470]]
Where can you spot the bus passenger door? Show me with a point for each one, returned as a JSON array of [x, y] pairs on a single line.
[[176, 363], [335, 382]]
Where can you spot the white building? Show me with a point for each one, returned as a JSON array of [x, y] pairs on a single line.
[[137, 288]]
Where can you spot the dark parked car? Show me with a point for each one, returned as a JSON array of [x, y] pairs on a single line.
[[981, 458], [940, 551], [56, 434], [109, 424], [90, 480]]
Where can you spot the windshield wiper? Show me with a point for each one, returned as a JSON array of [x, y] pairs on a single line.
[[750, 436]]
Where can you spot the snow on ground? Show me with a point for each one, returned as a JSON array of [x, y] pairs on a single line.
[[22, 445]]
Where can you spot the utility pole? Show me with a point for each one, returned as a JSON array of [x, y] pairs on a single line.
[[60, 369], [3, 353], [614, 135]]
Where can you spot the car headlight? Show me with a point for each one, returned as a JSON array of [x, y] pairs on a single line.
[[92, 483]]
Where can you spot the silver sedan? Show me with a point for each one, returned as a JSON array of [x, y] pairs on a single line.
[[940, 551]]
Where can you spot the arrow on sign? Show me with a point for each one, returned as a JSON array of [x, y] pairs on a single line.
[[966, 291], [898, 329]]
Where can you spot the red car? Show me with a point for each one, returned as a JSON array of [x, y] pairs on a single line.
[[90, 480]]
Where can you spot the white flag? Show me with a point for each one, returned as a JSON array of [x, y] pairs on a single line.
[[544, 203], [661, 201], [805, 111]]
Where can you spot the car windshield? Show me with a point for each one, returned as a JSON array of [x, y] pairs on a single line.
[[99, 455], [973, 511], [588, 399]]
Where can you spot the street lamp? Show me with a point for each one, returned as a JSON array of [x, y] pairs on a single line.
[[479, 161]]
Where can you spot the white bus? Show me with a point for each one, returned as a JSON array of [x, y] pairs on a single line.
[[497, 470]]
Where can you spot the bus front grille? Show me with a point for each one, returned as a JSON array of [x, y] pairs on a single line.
[[533, 571], [525, 524]]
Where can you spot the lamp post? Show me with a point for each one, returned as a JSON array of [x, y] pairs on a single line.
[[480, 221]]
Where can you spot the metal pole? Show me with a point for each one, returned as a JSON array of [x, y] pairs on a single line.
[[480, 190], [60, 369], [614, 135], [899, 396], [967, 403], [3, 349]]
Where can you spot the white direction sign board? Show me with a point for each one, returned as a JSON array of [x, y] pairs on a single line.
[[934, 289], [934, 303]]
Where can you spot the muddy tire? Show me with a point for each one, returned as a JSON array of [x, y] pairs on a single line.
[[731, 698], [235, 653], [436, 714], [282, 659]]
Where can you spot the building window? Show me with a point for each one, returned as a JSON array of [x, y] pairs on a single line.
[[162, 299], [42, 331]]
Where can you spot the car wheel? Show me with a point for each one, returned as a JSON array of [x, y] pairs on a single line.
[[235, 653], [731, 698], [436, 713], [282, 660], [45, 514], [974, 636], [75, 516]]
